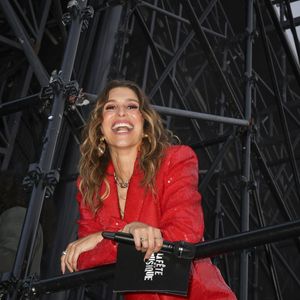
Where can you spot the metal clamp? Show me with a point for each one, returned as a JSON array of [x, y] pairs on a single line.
[[86, 15], [35, 175], [74, 10], [50, 180]]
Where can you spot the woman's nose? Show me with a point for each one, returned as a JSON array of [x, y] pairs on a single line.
[[121, 110]]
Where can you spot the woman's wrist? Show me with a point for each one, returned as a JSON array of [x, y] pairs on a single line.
[[99, 237]]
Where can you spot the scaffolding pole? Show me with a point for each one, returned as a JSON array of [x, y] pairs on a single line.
[[43, 169]]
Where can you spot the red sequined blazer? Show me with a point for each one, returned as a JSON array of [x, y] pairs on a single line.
[[175, 209]]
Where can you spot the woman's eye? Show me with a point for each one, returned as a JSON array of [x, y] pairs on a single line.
[[133, 106], [110, 107]]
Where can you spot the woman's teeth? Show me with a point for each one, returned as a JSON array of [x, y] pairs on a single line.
[[122, 127]]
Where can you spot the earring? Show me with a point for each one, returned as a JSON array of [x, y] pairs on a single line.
[[102, 146], [146, 136]]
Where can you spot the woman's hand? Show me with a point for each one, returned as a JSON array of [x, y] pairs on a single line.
[[74, 249], [146, 238]]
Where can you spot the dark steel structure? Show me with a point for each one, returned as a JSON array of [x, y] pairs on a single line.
[[226, 80]]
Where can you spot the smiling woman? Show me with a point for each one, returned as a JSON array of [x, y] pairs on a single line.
[[132, 179], [122, 124]]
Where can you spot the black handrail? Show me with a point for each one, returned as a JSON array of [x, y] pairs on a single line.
[[212, 248]]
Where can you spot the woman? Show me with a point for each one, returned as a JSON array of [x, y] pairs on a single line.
[[133, 180]]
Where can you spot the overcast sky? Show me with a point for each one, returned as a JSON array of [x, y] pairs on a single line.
[[296, 13]]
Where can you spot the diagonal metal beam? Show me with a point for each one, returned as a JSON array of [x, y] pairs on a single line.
[[171, 64], [268, 249], [286, 265], [162, 65], [181, 49], [25, 19], [270, 180], [20, 33], [10, 107], [164, 11], [279, 102], [210, 54], [10, 42], [213, 166], [285, 43]]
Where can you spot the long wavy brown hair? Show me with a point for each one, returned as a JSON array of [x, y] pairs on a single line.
[[93, 163]]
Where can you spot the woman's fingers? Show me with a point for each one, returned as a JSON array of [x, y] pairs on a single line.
[[73, 256], [158, 241], [65, 260], [63, 263], [150, 245], [70, 256], [69, 259], [136, 237], [155, 243], [147, 239]]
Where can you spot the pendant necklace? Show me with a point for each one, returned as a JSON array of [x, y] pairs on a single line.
[[123, 185]]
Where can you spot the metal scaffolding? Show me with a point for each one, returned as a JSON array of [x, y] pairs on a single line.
[[224, 78]]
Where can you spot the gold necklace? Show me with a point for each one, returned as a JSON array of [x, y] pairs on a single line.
[[123, 185]]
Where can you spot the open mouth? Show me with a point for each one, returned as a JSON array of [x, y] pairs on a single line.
[[122, 127]]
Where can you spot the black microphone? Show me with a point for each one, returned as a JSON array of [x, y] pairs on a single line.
[[181, 249]]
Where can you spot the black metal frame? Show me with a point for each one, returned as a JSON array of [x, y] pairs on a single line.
[[35, 288], [199, 29]]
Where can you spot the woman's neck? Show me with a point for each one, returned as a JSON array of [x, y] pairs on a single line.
[[123, 161]]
